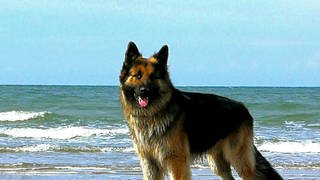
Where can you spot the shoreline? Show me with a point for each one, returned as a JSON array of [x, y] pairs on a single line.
[[123, 173]]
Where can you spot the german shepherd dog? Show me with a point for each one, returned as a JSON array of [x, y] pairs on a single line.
[[171, 128]]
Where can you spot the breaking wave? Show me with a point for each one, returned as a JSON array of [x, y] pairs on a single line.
[[21, 115], [70, 149], [61, 132], [291, 147]]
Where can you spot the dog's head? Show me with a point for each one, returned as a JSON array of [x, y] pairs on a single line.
[[145, 82]]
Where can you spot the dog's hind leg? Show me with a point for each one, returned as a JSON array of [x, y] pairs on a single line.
[[239, 151], [219, 164]]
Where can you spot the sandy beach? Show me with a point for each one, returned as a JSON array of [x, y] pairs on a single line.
[[197, 173]]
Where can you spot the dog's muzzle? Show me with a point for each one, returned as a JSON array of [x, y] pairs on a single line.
[[141, 96]]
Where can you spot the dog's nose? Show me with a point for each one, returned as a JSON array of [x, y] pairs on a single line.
[[143, 90]]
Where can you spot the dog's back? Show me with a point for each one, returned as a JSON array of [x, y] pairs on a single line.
[[210, 118]]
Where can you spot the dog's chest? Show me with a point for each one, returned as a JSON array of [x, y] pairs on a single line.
[[149, 132]]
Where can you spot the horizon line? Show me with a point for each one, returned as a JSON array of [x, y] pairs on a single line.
[[114, 85]]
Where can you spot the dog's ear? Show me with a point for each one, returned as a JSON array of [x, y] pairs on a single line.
[[162, 55], [132, 53]]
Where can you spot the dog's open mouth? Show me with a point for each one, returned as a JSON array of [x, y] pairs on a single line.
[[143, 101]]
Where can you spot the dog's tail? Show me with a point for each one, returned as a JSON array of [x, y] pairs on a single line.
[[264, 170]]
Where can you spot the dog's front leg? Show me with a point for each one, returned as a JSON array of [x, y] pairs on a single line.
[[180, 168], [151, 169]]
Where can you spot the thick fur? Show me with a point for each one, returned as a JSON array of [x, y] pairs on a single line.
[[170, 128]]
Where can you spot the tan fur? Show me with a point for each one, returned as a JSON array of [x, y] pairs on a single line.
[[178, 158], [240, 152], [171, 153], [237, 150], [218, 163], [146, 71]]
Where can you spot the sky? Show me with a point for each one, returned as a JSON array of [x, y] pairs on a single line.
[[211, 43]]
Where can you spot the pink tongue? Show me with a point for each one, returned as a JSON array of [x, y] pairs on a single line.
[[143, 102]]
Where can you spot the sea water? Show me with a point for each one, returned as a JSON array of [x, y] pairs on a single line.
[[81, 129]]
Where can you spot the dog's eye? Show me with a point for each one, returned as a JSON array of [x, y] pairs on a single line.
[[138, 75]]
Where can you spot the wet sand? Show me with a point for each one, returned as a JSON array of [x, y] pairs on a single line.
[[197, 173]]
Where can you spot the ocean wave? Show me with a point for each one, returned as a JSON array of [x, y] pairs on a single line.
[[69, 149], [314, 125], [21, 115], [118, 149], [61, 132], [278, 147], [35, 148], [36, 168], [293, 124], [291, 147]]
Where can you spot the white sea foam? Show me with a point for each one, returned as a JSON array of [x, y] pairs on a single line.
[[61, 132], [292, 124], [117, 131], [53, 148], [115, 149], [314, 125], [20, 115], [130, 149], [291, 147], [35, 148]]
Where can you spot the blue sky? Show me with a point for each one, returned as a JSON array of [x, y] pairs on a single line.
[[211, 43]]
